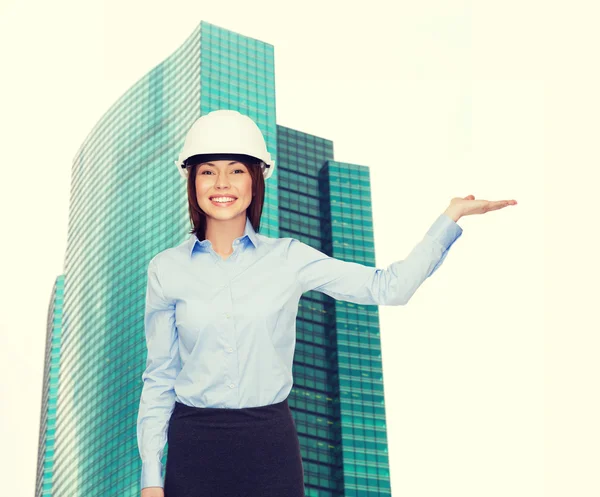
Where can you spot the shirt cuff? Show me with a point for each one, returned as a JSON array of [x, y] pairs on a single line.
[[152, 474], [445, 230]]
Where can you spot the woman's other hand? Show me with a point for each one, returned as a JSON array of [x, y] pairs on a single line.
[[153, 492]]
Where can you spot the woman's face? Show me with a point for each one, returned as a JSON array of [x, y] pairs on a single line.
[[223, 178]]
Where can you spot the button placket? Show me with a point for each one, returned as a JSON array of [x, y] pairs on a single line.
[[227, 315]]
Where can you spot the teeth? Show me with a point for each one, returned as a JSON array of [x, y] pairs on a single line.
[[222, 199]]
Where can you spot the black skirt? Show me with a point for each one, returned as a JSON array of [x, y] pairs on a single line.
[[221, 452]]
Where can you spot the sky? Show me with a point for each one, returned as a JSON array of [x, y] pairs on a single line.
[[491, 370]]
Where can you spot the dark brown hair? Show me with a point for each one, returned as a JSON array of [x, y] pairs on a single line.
[[254, 210]]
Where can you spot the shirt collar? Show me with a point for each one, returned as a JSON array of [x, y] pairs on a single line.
[[249, 233]]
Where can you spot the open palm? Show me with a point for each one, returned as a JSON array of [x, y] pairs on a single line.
[[468, 205]]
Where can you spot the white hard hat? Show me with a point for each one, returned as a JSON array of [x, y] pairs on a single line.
[[225, 132]]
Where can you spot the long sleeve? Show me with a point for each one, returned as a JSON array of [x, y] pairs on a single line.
[[353, 282], [162, 367]]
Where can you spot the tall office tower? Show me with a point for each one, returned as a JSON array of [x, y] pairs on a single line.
[[128, 203], [45, 461], [337, 398]]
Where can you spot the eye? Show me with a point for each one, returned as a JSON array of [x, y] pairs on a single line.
[[209, 171]]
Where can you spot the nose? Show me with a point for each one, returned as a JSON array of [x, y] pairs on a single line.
[[222, 181]]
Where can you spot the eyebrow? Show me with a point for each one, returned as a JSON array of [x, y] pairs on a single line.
[[211, 164]]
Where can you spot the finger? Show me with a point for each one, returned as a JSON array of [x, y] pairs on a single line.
[[499, 204]]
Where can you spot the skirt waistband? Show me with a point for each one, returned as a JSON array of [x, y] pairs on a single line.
[[233, 415]]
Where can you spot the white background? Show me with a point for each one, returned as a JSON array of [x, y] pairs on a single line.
[[491, 370]]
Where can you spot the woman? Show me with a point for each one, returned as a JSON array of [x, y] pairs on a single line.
[[220, 322]]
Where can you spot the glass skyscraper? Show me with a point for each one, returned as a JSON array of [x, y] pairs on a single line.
[[128, 203], [45, 460]]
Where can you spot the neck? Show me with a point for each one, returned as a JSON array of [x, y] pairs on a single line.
[[222, 233]]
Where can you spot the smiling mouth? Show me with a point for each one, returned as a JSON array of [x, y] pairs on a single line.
[[223, 204]]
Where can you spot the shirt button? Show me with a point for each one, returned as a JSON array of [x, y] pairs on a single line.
[[231, 385], [227, 315], [229, 349]]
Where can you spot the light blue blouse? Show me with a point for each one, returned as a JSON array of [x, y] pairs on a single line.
[[222, 332]]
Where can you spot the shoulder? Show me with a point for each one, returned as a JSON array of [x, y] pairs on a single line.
[[171, 255], [280, 246], [296, 251]]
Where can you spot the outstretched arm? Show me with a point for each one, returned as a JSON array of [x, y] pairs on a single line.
[[362, 284]]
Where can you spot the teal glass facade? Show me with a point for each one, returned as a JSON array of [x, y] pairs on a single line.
[[128, 203], [337, 398], [47, 430]]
